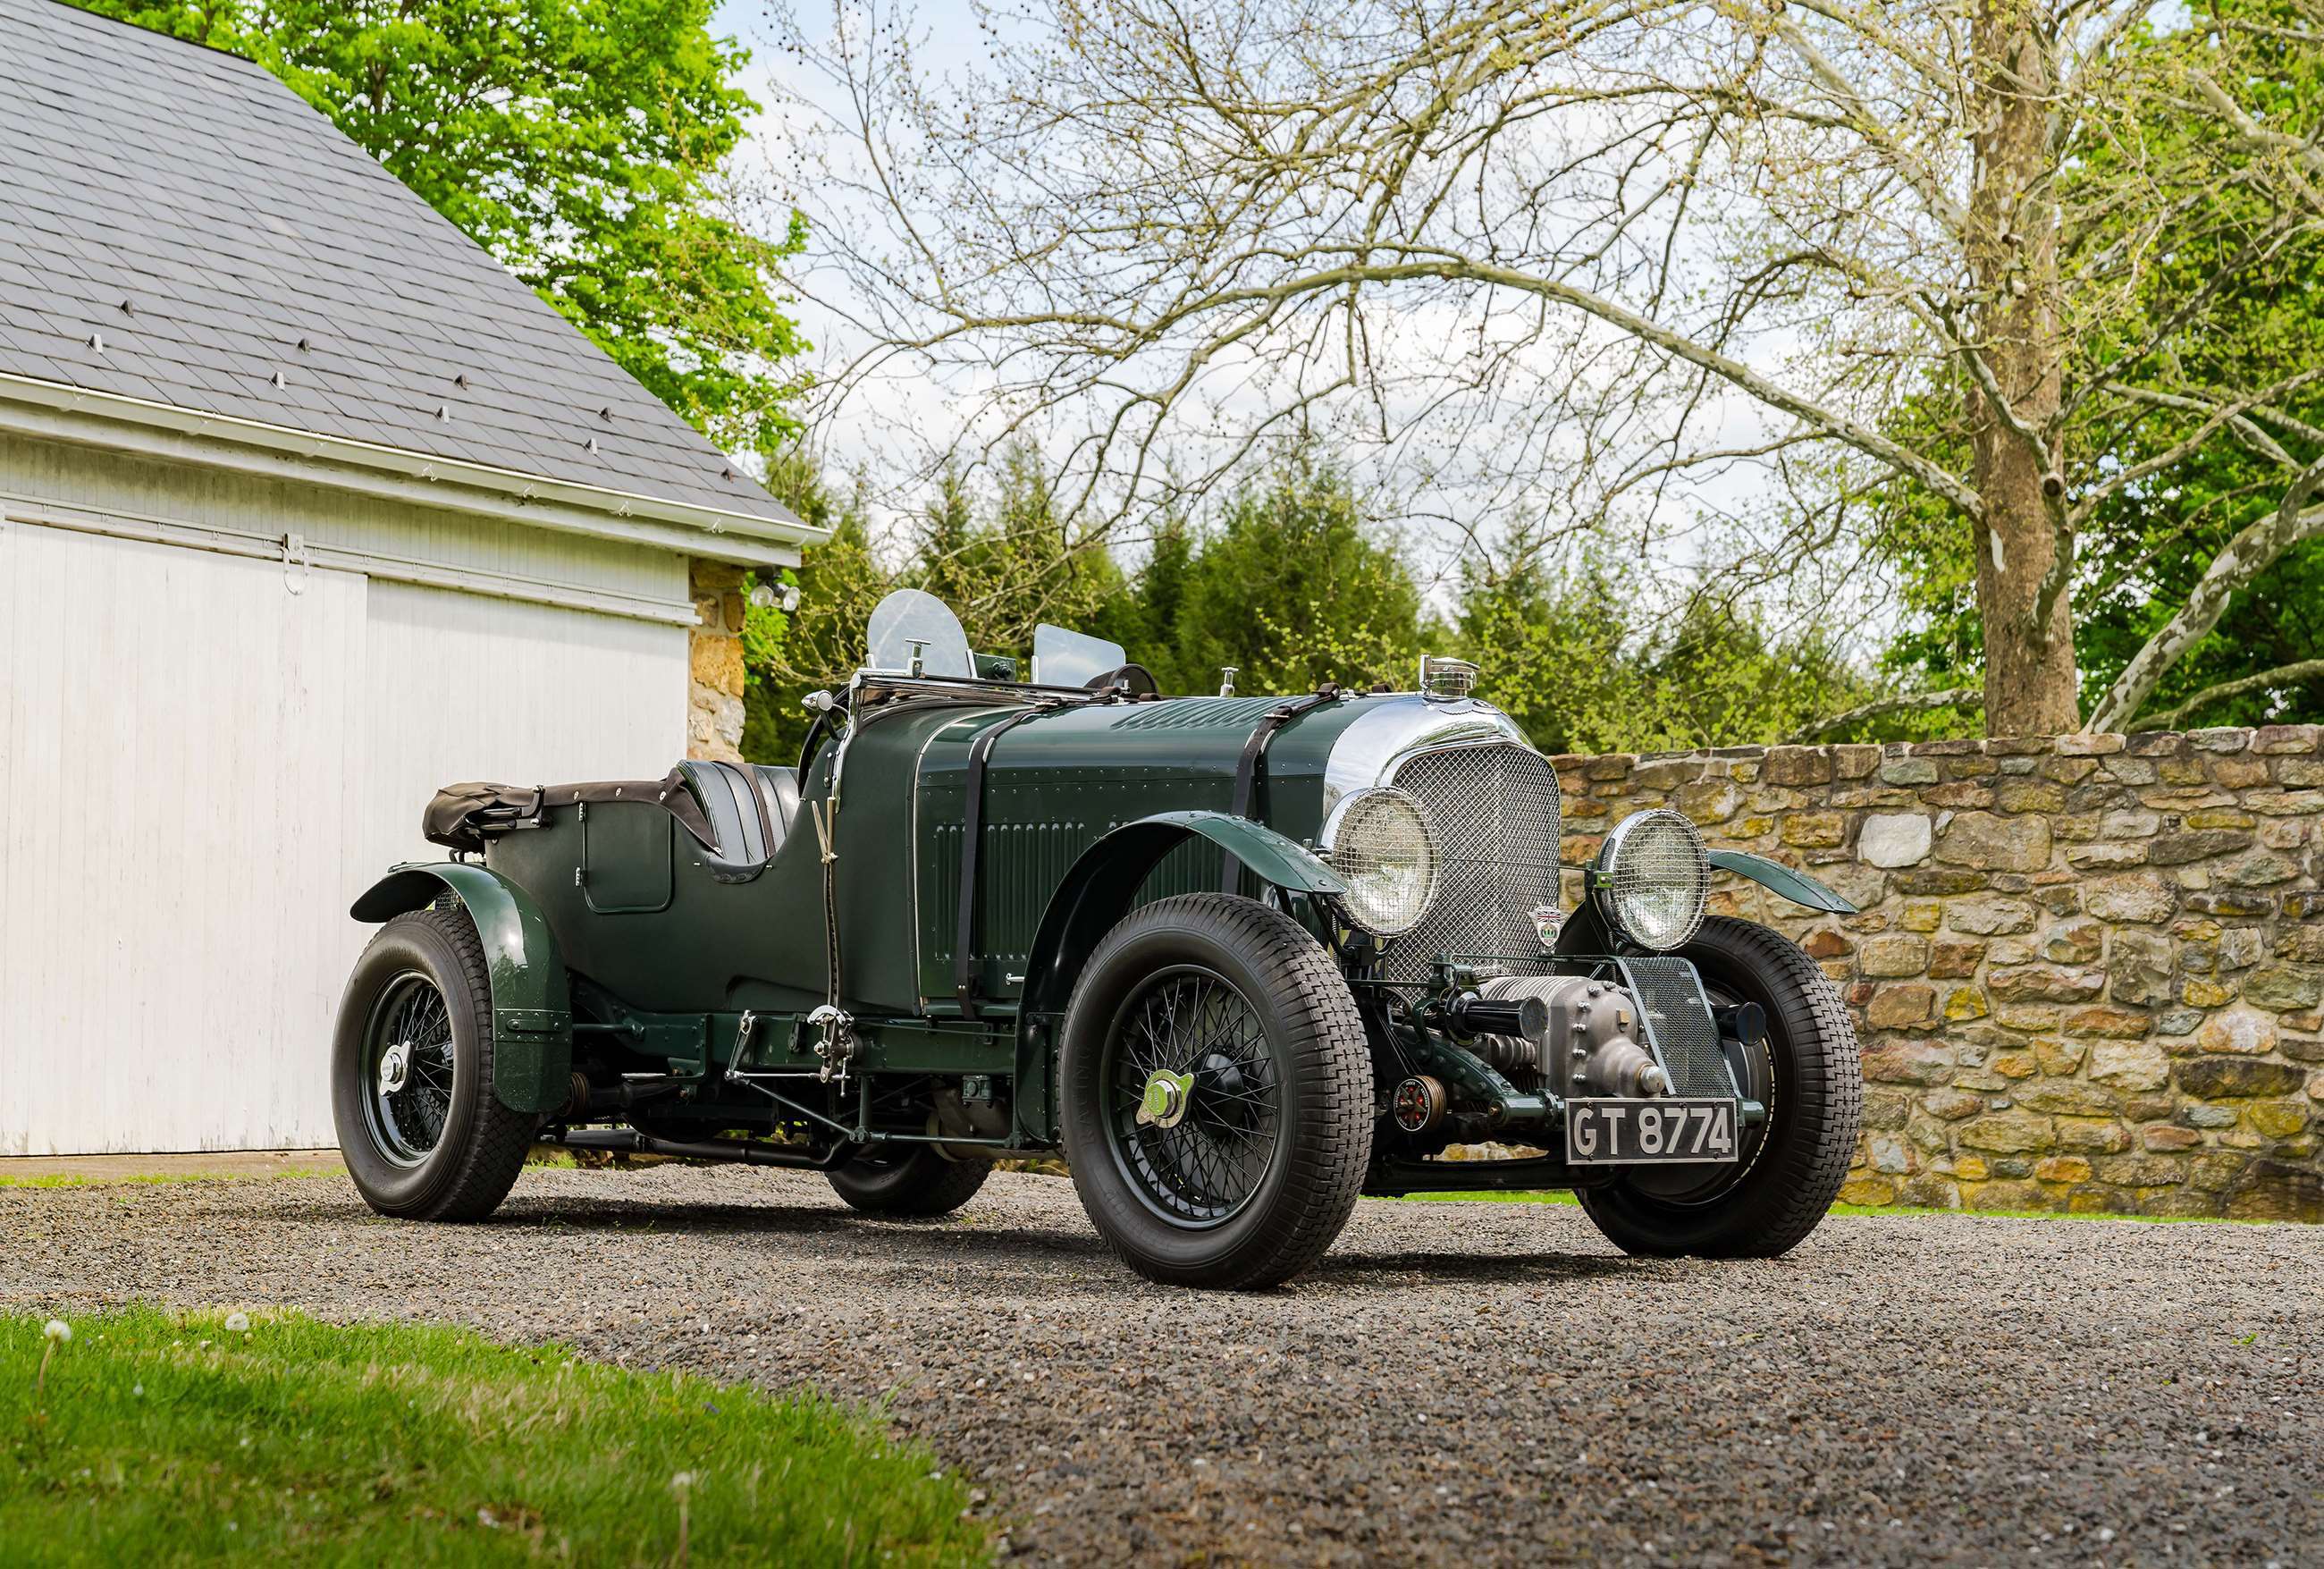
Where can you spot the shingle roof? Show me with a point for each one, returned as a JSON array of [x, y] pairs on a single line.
[[236, 224]]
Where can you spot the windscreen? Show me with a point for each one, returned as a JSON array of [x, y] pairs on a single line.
[[907, 616], [1072, 658]]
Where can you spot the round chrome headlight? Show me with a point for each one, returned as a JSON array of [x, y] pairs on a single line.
[[1381, 843], [1654, 875]]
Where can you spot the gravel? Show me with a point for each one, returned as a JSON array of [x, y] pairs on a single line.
[[1472, 1383]]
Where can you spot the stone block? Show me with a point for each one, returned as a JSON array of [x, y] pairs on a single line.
[[1797, 765], [1963, 1003], [1708, 801], [1908, 1062], [2259, 869], [1893, 955], [1960, 795], [2222, 738], [1872, 1192], [1893, 840], [1989, 917], [2026, 1020], [2113, 1023], [2006, 1132], [2068, 1096], [2105, 857], [2029, 796], [1940, 883], [2239, 948], [1953, 1106], [2275, 1190], [2140, 897], [2278, 1119], [2197, 993], [2281, 740], [1610, 765], [2238, 1078], [2238, 1031], [2212, 1117], [2179, 848], [1951, 959], [2129, 1065], [2142, 1170], [2045, 983], [2062, 1168], [2168, 1140], [1989, 841], [2061, 1060], [1886, 1109], [2139, 971], [1854, 760], [1921, 915], [1908, 770], [2088, 745], [2078, 942], [2284, 987], [1814, 830], [1900, 1006]]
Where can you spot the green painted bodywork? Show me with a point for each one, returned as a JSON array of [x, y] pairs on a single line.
[[1778, 878], [616, 947], [532, 1007]]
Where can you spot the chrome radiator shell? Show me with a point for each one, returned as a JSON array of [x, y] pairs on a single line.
[[1496, 811]]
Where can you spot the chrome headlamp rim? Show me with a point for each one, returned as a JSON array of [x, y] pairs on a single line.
[[1329, 841], [1606, 875]]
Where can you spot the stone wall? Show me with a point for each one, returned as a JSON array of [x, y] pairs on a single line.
[[714, 697], [2088, 969]]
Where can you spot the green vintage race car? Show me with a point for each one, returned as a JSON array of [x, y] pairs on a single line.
[[1240, 958]]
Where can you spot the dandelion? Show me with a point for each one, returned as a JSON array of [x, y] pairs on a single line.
[[237, 1323], [55, 1333], [681, 1484]]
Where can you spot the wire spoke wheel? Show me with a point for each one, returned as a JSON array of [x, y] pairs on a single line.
[[1194, 1095], [410, 1068]]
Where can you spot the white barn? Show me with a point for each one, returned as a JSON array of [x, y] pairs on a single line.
[[306, 507]]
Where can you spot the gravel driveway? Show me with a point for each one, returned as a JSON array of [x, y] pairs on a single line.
[[1471, 1383]]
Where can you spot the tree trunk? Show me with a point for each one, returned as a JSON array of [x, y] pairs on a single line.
[[2030, 683]]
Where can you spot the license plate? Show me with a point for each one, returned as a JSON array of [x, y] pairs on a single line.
[[1628, 1132]]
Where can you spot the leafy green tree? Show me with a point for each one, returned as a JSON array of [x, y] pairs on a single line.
[[583, 143], [1558, 652], [1297, 588], [785, 655], [2203, 478]]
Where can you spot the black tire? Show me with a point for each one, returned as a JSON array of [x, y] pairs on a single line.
[[914, 1184], [453, 1152], [1295, 1071], [1794, 1164]]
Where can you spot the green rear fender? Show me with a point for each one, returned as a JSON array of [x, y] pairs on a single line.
[[532, 1008], [1102, 884]]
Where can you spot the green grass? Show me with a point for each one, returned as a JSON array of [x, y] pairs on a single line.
[[169, 1439], [143, 1179], [1858, 1209]]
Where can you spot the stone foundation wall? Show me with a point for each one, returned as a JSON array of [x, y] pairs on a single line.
[[2088, 970], [714, 698]]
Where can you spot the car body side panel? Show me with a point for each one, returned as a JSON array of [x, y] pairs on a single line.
[[1058, 783]]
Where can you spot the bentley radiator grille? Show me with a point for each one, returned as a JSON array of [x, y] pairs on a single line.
[[1496, 814], [1679, 1024]]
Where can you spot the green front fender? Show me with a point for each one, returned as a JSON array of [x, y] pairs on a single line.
[[1097, 891], [532, 1008], [1094, 896], [1778, 878]]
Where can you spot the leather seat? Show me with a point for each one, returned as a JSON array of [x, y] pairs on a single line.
[[749, 807]]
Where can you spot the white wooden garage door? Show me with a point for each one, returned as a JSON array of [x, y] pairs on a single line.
[[203, 759]]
